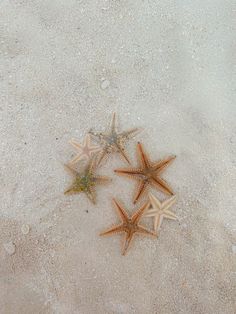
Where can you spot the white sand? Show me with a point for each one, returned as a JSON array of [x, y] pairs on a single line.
[[166, 66]]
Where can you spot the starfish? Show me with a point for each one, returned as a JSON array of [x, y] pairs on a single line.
[[130, 225], [160, 210], [114, 142], [86, 180], [86, 150], [148, 173]]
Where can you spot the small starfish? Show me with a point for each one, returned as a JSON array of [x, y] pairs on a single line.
[[160, 210], [129, 225], [114, 142], [86, 180], [86, 149], [148, 173]]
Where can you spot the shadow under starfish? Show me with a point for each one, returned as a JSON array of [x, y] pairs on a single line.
[[130, 225], [114, 141], [86, 180], [148, 173]]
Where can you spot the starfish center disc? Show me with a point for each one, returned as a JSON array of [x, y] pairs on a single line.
[[147, 174], [83, 183], [112, 139], [130, 226]]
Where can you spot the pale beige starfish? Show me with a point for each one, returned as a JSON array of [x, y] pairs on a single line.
[[160, 210], [86, 150]]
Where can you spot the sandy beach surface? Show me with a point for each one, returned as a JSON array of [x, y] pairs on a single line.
[[165, 66]]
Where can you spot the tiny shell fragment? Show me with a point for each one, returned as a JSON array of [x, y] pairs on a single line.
[[25, 229]]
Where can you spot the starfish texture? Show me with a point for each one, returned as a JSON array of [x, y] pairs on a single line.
[[148, 173], [86, 150], [130, 225], [160, 210], [113, 141], [86, 180]]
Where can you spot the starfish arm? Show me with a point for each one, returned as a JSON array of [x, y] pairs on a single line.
[[151, 212], [145, 231], [168, 214], [169, 202], [155, 203], [102, 179], [71, 190], [101, 156], [92, 164], [139, 213], [123, 154], [133, 173], [140, 191], [160, 166], [68, 191], [91, 195], [113, 230], [130, 133], [89, 147], [155, 221], [98, 136], [76, 144], [113, 123], [158, 222], [77, 158], [161, 185], [70, 169], [121, 211], [127, 242], [87, 140], [143, 156], [94, 149]]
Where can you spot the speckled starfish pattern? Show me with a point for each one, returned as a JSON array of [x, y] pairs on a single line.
[[114, 141], [130, 225], [160, 210], [86, 180], [86, 150], [148, 173]]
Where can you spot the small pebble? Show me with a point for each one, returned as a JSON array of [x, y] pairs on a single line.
[[10, 248], [25, 229], [105, 84]]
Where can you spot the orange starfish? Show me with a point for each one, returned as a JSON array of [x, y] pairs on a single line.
[[86, 180], [86, 150], [148, 173], [129, 225], [114, 141]]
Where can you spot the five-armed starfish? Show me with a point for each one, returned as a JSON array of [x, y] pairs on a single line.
[[86, 180], [86, 150], [160, 210], [148, 173], [114, 142], [129, 225]]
